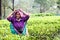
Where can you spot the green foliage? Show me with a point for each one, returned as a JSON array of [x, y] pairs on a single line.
[[4, 3], [58, 2], [43, 14], [44, 27], [40, 28], [45, 5]]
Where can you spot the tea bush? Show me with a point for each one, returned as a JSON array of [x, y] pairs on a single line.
[[39, 28], [44, 14]]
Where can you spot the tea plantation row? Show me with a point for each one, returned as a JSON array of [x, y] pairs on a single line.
[[39, 28]]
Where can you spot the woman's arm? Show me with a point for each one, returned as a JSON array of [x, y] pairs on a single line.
[[10, 15], [25, 16], [24, 13]]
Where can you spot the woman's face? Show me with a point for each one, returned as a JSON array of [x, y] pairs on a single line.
[[18, 15]]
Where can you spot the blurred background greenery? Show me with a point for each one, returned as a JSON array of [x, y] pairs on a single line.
[[32, 6]]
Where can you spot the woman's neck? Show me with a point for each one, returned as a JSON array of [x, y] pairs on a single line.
[[18, 19]]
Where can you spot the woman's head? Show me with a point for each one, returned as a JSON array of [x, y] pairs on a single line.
[[17, 15]]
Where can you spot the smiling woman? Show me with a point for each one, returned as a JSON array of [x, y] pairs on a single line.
[[18, 21]]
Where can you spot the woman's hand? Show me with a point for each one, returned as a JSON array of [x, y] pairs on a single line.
[[23, 13]]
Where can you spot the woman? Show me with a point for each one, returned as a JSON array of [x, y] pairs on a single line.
[[18, 19]]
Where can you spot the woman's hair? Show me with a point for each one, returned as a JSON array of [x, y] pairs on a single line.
[[18, 11], [15, 12]]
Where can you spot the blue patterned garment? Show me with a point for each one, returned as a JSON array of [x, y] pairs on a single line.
[[13, 30]]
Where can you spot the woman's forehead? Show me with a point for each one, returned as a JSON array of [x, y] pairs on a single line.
[[18, 13]]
